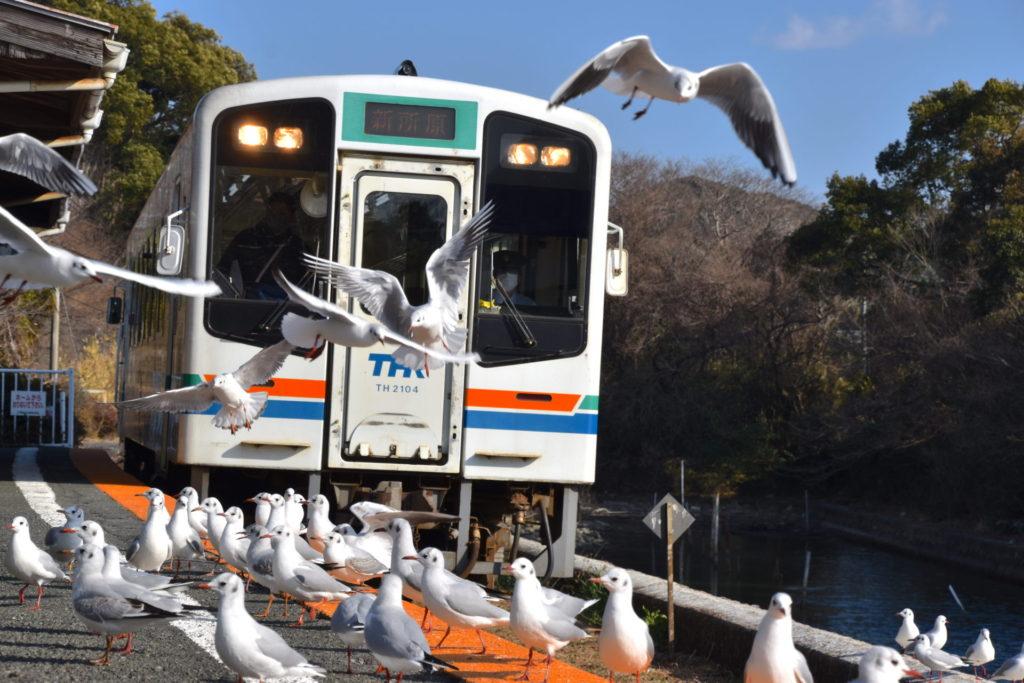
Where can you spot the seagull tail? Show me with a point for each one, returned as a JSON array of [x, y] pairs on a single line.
[[246, 414], [300, 331], [436, 663]]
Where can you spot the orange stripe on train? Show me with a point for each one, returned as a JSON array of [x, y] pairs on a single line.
[[521, 400]]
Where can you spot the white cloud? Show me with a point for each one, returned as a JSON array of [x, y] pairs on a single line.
[[892, 17]]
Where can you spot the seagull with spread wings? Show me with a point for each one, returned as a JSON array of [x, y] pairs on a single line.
[[630, 66], [344, 328], [23, 155], [239, 408], [435, 324], [30, 263]]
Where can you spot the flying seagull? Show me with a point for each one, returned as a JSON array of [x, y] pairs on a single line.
[[25, 156], [30, 263], [238, 407], [344, 328], [630, 66], [434, 324]]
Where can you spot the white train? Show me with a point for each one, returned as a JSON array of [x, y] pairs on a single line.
[[377, 171]]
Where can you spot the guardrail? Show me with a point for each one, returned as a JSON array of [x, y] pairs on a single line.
[[37, 407]]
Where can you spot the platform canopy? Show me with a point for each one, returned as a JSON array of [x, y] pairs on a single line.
[[54, 69]]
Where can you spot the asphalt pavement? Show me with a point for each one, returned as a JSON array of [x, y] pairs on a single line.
[[53, 645]]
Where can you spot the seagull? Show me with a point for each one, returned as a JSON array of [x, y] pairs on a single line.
[[262, 500], [215, 521], [908, 629], [185, 542], [349, 620], [354, 565], [456, 604], [196, 518], [293, 511], [377, 516], [773, 656], [160, 598], [23, 155], [30, 263], [981, 653], [393, 637], [30, 564], [247, 647], [102, 609], [376, 543], [300, 578], [535, 622], [933, 657], [434, 324], [152, 547], [92, 534], [1012, 669], [625, 642], [630, 66], [238, 407], [233, 549], [340, 327], [883, 665], [259, 562], [318, 521], [938, 635], [279, 517], [58, 542]]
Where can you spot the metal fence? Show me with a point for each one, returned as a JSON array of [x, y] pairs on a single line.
[[37, 407]]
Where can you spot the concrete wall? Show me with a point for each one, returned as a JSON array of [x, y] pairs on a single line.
[[722, 630]]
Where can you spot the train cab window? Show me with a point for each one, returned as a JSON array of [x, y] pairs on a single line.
[[531, 288], [269, 205]]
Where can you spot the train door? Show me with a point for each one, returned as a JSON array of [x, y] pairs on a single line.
[[394, 213]]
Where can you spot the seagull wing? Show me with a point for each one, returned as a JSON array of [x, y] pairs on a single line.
[[448, 267], [20, 236], [184, 400], [464, 600], [737, 90], [564, 629], [380, 292], [436, 353], [24, 155], [262, 366], [625, 57], [314, 303], [274, 646], [803, 672], [171, 285]]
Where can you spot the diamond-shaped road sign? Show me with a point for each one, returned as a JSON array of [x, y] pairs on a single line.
[[681, 518]]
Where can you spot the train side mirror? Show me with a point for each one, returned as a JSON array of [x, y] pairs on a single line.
[[171, 246], [115, 310], [617, 264]]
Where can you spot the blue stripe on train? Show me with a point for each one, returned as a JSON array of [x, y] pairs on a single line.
[[580, 423], [295, 410]]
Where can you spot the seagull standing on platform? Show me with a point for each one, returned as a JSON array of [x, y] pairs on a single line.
[[908, 629], [455, 603], [434, 324], [293, 509], [30, 564], [92, 535], [262, 501], [938, 635], [349, 622], [933, 657], [27, 262], [883, 665], [185, 542], [625, 642], [152, 547], [630, 66], [247, 647], [353, 564], [239, 408], [318, 521], [773, 657], [196, 518], [538, 624], [233, 545], [981, 652], [302, 579], [393, 637], [1012, 669], [23, 155], [62, 545]]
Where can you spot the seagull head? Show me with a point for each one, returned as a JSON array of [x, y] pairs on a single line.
[[219, 381], [83, 268], [397, 527], [18, 524], [233, 514], [781, 606], [89, 558], [90, 532], [522, 568], [334, 538], [380, 332], [154, 496], [884, 664], [254, 532], [74, 513], [429, 558], [321, 503], [299, 498], [615, 580], [224, 584], [985, 634], [686, 84], [276, 500], [906, 613], [279, 535], [346, 530], [213, 505], [941, 621]]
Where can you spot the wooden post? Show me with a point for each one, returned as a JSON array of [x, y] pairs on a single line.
[[714, 529], [682, 501], [666, 525]]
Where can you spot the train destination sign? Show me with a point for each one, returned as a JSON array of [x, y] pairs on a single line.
[[409, 121]]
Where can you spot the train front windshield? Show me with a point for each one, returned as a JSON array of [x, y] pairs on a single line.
[[269, 205]]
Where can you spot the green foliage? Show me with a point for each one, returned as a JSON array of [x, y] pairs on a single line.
[[173, 63], [657, 622]]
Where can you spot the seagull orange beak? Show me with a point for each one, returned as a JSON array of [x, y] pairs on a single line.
[[595, 579], [66, 530], [10, 526], [141, 494], [203, 586], [97, 278], [192, 510], [506, 568], [252, 500], [410, 557], [221, 514], [267, 536], [913, 673]]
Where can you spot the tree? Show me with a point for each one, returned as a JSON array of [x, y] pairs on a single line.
[[173, 63]]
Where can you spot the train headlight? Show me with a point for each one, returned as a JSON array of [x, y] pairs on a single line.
[[555, 156], [252, 135], [521, 154], [288, 137]]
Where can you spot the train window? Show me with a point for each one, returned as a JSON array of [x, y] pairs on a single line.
[[531, 288], [400, 232], [258, 221]]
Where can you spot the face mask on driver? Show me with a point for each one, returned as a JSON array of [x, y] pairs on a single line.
[[508, 280]]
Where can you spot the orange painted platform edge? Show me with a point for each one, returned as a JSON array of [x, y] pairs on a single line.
[[504, 659]]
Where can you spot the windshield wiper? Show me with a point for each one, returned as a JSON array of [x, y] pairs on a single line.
[[517, 318]]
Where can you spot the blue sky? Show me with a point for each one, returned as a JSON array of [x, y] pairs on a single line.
[[842, 73]]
